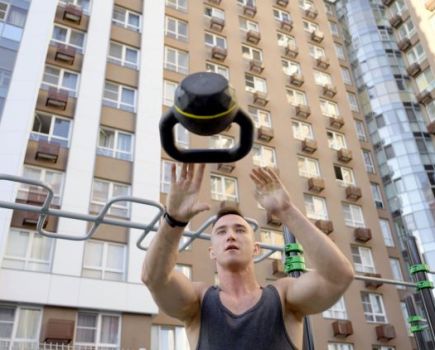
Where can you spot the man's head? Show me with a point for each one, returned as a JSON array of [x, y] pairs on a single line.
[[232, 240]]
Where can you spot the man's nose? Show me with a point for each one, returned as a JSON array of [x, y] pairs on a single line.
[[231, 235]]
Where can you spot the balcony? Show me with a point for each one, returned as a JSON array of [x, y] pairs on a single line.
[[260, 98], [326, 226], [47, 151], [264, 133], [336, 122], [291, 51], [226, 167], [253, 37], [372, 284], [353, 193], [396, 20], [362, 234], [322, 62], [65, 54], [57, 98], [342, 328], [58, 332], [430, 5], [215, 2], [385, 332], [282, 3], [311, 12], [296, 79], [329, 90], [404, 44], [249, 10], [426, 96], [344, 155], [317, 36], [217, 23], [316, 184], [387, 2], [256, 66], [73, 13], [273, 220], [219, 53], [286, 24], [303, 111], [309, 145], [30, 218], [414, 69]]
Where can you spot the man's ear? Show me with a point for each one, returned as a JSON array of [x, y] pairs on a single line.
[[211, 253], [257, 249]]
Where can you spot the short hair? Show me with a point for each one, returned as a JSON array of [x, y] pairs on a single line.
[[227, 211]]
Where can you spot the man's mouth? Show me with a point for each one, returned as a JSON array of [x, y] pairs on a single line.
[[232, 247]]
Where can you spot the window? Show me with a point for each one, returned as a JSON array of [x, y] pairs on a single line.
[[169, 337], [274, 238], [210, 11], [337, 311], [169, 92], [290, 67], [340, 346], [103, 191], [68, 36], [296, 97], [397, 271], [126, 18], [3, 11], [98, 330], [246, 25], [315, 207], [407, 29], [52, 178], [186, 270], [246, 2], [60, 79], [115, 143], [217, 68], [306, 4], [220, 141], [416, 54], [263, 156], [377, 197], [316, 51], [181, 136], [334, 29], [51, 128], [353, 215], [212, 40], [344, 175], [224, 188], [26, 250], [322, 78], [104, 260], [308, 167], [425, 80], [123, 55], [351, 97], [176, 28], [281, 15], [176, 60], [373, 305], [329, 108], [177, 4], [251, 53], [336, 140], [254, 83], [386, 232], [119, 96], [368, 161], [302, 131], [285, 40], [397, 7], [310, 26], [83, 4], [345, 74], [260, 116], [381, 347], [405, 318], [360, 130], [20, 327], [363, 259]]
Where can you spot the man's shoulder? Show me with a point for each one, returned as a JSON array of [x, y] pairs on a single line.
[[201, 288]]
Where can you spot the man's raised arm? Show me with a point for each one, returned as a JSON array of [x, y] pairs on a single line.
[[172, 291]]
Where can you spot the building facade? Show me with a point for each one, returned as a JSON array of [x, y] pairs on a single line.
[[83, 118]]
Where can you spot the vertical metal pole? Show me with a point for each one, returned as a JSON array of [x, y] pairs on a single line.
[[308, 343], [412, 310]]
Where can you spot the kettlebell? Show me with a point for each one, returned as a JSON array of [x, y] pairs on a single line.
[[205, 105]]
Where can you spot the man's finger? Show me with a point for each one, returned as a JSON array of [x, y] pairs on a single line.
[[190, 171], [273, 175], [262, 177], [256, 179], [183, 171], [173, 173]]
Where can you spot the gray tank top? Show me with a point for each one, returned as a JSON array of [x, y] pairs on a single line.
[[260, 328]]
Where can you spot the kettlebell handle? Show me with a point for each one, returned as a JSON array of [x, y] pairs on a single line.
[[167, 139]]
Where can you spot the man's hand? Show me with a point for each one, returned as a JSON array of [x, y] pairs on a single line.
[[270, 191], [182, 201]]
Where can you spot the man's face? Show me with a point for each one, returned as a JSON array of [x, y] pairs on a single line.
[[232, 242]]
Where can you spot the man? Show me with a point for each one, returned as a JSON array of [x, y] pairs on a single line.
[[240, 314]]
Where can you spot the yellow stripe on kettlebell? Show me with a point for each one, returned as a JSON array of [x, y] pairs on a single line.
[[194, 116]]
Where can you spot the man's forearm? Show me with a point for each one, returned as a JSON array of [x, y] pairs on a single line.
[[323, 254], [161, 255]]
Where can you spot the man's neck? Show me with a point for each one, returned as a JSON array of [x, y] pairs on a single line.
[[238, 283]]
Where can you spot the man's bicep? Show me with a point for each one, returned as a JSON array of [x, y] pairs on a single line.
[[310, 293], [179, 297]]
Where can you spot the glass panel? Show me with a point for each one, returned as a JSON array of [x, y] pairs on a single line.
[[100, 191], [115, 50], [107, 138], [85, 335], [127, 96], [59, 34], [17, 244], [109, 329], [28, 324], [61, 128], [41, 248], [69, 81], [115, 257], [77, 39], [93, 255]]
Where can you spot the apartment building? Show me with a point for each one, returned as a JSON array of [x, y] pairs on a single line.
[[83, 118]]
